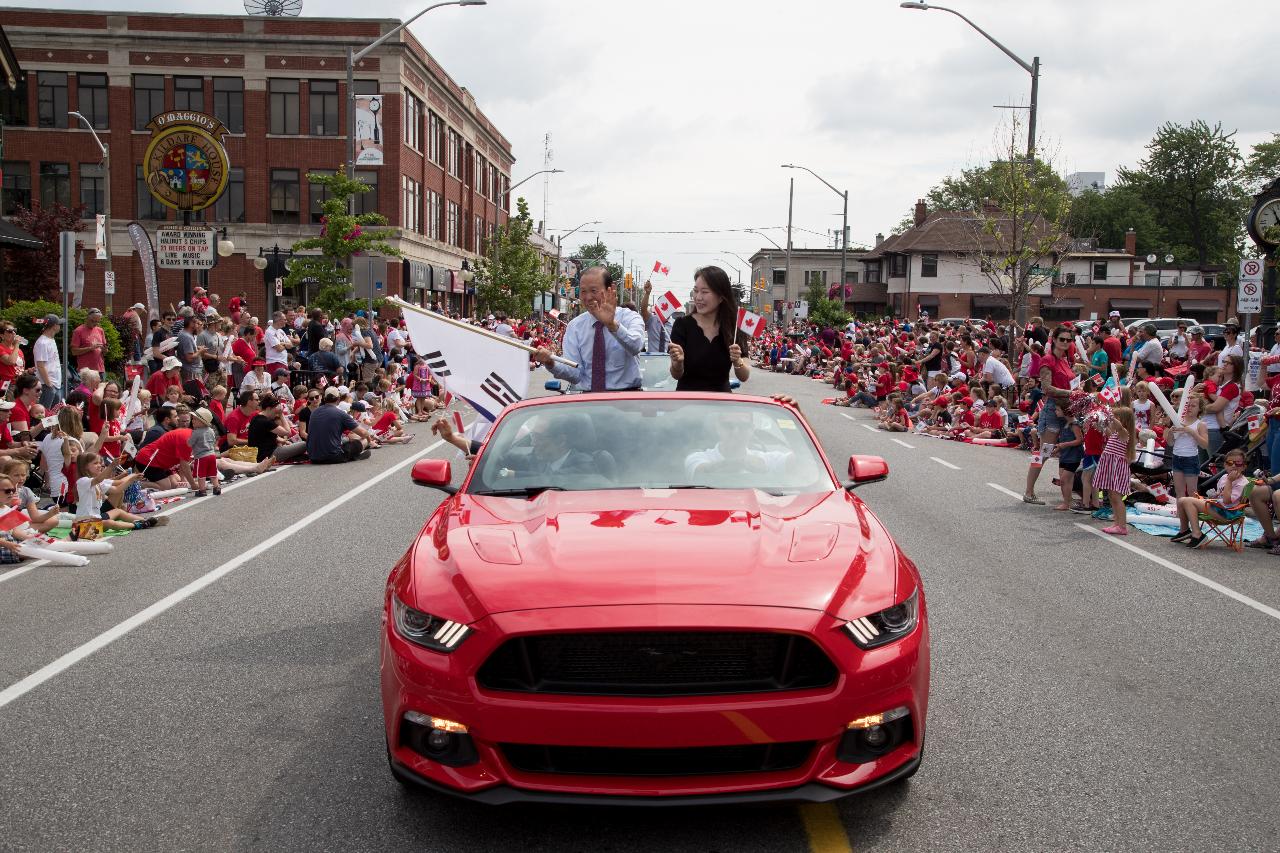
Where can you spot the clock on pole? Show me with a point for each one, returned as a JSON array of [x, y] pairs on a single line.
[[1263, 224]]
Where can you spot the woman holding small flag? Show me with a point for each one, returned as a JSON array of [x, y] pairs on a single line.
[[709, 339]]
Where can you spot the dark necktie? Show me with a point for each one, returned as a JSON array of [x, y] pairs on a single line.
[[597, 359]]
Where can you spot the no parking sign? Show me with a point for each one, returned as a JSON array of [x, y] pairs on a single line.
[[1249, 295]]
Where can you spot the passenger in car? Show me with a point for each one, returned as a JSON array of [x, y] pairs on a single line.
[[706, 342]]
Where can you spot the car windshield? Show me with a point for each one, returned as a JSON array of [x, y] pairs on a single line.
[[580, 444], [655, 372]]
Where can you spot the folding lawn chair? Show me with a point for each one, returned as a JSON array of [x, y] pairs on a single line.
[[1230, 533]]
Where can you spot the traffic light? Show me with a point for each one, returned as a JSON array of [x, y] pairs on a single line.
[[628, 281]]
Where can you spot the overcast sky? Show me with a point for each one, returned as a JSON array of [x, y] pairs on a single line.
[[674, 115]]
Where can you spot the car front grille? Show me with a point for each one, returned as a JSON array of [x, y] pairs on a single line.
[[657, 663], [687, 761]]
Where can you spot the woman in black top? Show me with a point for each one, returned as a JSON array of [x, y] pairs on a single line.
[[705, 342]]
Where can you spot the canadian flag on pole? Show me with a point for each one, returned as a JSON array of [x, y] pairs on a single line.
[[751, 324], [666, 306], [1110, 394], [659, 268]]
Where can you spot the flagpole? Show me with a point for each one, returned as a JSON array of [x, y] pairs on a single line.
[[408, 306]]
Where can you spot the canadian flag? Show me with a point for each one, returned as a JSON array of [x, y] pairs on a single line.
[[13, 518], [1110, 394], [751, 324], [447, 399], [322, 381], [659, 268], [666, 306], [457, 423], [1159, 491]]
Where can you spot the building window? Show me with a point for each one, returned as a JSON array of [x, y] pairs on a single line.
[[411, 218], [148, 207], [477, 235], [284, 196], [928, 266], [51, 98], [319, 193], [91, 99], [284, 108], [433, 215], [55, 184], [1099, 270], [148, 99], [1152, 279], [483, 181], [780, 278], [435, 134], [873, 272], [13, 104], [188, 94], [230, 207], [367, 202], [451, 225], [17, 186], [324, 107], [897, 266], [1208, 281], [412, 121], [851, 277], [455, 154], [228, 102], [812, 277], [92, 189]]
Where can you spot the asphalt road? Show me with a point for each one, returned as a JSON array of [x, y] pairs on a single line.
[[1085, 696]]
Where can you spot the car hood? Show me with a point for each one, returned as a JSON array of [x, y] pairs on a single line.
[[822, 552]]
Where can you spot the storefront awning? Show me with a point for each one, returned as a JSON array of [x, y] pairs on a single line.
[[927, 299], [1199, 305], [1062, 303], [1130, 304], [416, 275], [13, 236], [990, 302], [440, 279]]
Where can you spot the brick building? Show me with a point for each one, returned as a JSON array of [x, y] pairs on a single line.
[[279, 86]]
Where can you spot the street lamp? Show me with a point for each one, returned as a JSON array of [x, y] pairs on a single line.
[[354, 56], [844, 228], [560, 243], [1033, 69], [106, 204], [493, 274], [278, 269]]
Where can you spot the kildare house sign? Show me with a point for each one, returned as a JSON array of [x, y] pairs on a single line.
[[185, 165]]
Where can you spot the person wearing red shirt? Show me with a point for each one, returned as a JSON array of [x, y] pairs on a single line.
[[884, 384], [159, 382], [990, 423], [1056, 372], [89, 342], [1199, 350], [238, 419], [12, 362], [158, 460]]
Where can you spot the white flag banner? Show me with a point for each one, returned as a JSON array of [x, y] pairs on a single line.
[[487, 373]]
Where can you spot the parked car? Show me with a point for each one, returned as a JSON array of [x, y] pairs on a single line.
[[1166, 327], [1213, 333], [683, 626]]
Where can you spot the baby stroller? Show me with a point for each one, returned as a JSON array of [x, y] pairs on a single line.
[[1238, 436]]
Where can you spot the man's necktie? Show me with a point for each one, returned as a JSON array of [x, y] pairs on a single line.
[[597, 359]]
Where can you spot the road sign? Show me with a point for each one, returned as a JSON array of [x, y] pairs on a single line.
[[1250, 270], [279, 287], [186, 248], [109, 286], [1249, 298]]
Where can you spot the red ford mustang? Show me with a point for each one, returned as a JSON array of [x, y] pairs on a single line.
[[653, 598]]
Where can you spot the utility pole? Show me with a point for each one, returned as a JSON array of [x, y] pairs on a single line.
[[791, 200]]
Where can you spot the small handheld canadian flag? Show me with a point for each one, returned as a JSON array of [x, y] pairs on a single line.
[[1159, 491], [751, 324], [658, 267], [322, 381], [447, 399], [666, 306], [1255, 423], [1110, 394], [457, 422]]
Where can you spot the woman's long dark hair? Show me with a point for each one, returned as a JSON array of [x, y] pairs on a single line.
[[727, 316]]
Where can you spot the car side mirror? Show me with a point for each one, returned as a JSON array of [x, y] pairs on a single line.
[[553, 385], [866, 469], [436, 473]]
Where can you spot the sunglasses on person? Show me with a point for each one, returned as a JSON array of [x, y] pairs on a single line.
[[1235, 463], [1065, 340], [313, 396], [7, 331]]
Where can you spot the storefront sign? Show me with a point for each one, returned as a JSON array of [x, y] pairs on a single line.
[[186, 248], [185, 165]]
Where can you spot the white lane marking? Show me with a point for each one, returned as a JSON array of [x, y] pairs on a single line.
[[868, 427], [945, 463], [1187, 573], [846, 415], [1010, 492], [71, 658], [903, 443], [171, 511]]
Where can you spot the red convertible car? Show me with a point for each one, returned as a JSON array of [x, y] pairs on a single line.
[[653, 598]]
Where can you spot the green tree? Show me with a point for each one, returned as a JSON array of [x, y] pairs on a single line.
[[977, 185], [1107, 216], [1263, 164], [33, 273], [1192, 178], [510, 273], [23, 316], [824, 311], [342, 235], [597, 255]]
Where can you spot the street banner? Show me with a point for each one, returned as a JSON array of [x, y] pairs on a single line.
[[750, 324], [77, 296], [147, 255], [100, 237], [666, 306], [486, 370], [369, 130]]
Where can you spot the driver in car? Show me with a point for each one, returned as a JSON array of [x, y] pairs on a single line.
[[731, 455], [551, 448]]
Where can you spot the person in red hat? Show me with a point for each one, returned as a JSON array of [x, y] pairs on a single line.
[[257, 378]]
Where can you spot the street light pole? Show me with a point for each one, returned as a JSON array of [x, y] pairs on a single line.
[[791, 202], [560, 244], [494, 273], [844, 229], [106, 203], [354, 56]]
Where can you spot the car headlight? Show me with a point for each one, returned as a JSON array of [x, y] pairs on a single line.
[[425, 630], [888, 625]]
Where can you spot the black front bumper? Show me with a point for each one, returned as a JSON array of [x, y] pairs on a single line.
[[811, 793]]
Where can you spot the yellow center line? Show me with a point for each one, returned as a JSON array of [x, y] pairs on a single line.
[[826, 832]]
